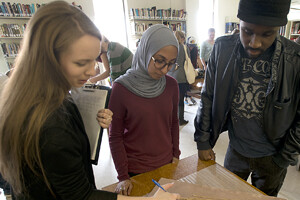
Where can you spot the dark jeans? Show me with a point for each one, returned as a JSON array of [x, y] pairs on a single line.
[[265, 174], [183, 88]]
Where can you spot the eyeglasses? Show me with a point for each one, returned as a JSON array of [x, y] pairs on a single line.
[[160, 64]]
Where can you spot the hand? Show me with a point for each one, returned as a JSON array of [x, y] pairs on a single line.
[[124, 187], [175, 160], [91, 81], [104, 117], [162, 195], [207, 155]]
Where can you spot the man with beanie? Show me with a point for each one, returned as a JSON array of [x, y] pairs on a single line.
[[252, 89]]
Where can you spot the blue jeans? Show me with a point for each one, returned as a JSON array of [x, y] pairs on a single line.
[[265, 174]]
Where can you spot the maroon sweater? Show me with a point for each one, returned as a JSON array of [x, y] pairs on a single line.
[[144, 133]]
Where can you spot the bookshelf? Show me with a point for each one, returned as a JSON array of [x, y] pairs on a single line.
[[231, 23], [291, 30], [142, 18], [13, 21], [230, 26], [294, 30]]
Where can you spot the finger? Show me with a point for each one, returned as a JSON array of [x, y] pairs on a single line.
[[104, 121], [167, 186], [117, 190], [104, 116], [106, 111], [122, 191], [125, 190], [104, 125], [129, 189], [213, 155], [108, 118], [208, 158]]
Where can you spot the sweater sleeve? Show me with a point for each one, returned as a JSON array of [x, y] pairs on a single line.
[[291, 146], [202, 120], [62, 159], [116, 132], [175, 123]]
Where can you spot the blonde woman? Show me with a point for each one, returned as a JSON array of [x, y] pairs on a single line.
[[44, 150]]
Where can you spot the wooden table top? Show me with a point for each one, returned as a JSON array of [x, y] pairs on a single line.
[[142, 184]]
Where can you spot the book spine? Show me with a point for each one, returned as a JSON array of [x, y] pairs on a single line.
[[14, 6], [1, 31], [11, 9], [27, 6], [3, 46], [6, 13], [5, 30], [24, 10], [20, 10], [32, 9], [1, 11]]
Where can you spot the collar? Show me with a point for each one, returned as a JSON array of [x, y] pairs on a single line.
[[111, 46]]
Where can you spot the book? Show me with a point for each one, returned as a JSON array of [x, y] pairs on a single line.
[[89, 100], [16, 11], [10, 9], [6, 13]]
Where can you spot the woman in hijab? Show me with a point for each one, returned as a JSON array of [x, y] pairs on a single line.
[[144, 133]]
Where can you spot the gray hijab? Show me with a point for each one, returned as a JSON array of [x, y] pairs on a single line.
[[137, 80]]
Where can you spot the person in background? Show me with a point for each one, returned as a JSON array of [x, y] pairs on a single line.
[[178, 73], [235, 31], [193, 52], [206, 47], [44, 149], [195, 59], [144, 133], [252, 89], [116, 60]]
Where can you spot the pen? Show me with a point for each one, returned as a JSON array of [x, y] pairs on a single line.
[[156, 183]]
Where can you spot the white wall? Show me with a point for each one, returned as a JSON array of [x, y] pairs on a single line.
[[192, 19], [225, 9], [294, 14]]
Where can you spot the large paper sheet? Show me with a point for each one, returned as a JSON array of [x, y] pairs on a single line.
[[189, 191], [89, 102]]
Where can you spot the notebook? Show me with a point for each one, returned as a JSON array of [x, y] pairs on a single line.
[[89, 100]]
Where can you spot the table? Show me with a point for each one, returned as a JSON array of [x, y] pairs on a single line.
[[142, 184]]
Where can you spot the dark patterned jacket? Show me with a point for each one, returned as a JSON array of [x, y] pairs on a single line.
[[281, 114]]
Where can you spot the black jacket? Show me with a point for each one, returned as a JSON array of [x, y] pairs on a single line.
[[65, 154], [281, 114]]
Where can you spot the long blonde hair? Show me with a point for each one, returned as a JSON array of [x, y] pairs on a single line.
[[37, 88]]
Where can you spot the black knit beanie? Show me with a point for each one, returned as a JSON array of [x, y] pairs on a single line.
[[264, 12]]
